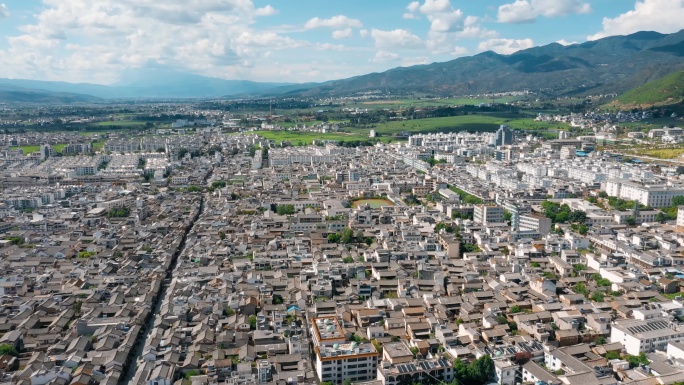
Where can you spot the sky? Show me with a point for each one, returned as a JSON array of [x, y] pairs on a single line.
[[294, 41]]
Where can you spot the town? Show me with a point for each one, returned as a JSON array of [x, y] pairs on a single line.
[[210, 256]]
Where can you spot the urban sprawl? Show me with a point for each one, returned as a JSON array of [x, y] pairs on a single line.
[[198, 256]]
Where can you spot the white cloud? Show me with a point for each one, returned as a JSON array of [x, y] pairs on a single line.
[[398, 38], [412, 61], [565, 42], [339, 21], [330, 47], [266, 11], [663, 16], [459, 51], [505, 46], [4, 12], [364, 33], [473, 30], [342, 33], [385, 56], [526, 11], [436, 6], [448, 25], [410, 16], [414, 6], [96, 41], [267, 39]]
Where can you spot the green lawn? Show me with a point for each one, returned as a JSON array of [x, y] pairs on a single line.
[[27, 149], [123, 123], [32, 149], [99, 145], [306, 137], [91, 133]]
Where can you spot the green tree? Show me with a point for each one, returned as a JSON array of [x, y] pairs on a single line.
[[334, 238], [635, 361], [348, 260], [218, 184], [252, 320], [191, 373], [597, 296], [678, 200], [16, 240], [514, 309], [8, 349], [612, 355], [347, 235], [580, 288], [446, 227], [600, 340], [285, 209], [119, 212]]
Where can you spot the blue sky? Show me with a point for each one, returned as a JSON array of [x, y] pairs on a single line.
[[106, 41]]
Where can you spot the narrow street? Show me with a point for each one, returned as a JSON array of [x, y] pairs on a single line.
[[137, 351]]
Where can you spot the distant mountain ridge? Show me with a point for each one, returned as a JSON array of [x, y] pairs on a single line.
[[14, 94], [610, 65], [150, 83]]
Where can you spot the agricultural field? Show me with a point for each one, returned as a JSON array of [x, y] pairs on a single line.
[[386, 131], [31, 149], [27, 149], [660, 153], [122, 123], [418, 103], [99, 145], [462, 123], [305, 137]]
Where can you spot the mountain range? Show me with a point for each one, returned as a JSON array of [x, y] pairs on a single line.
[[610, 65], [143, 83]]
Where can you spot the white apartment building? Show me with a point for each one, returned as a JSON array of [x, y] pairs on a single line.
[[484, 214], [645, 336], [337, 359], [653, 195], [680, 216], [451, 140], [675, 350], [537, 223]]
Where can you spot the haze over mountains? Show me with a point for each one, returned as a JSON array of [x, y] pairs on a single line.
[[610, 65]]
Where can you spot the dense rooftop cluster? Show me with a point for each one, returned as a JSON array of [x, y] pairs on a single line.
[[229, 259]]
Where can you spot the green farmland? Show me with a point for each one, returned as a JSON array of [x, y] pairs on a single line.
[[386, 131], [121, 123], [27, 149], [418, 103]]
